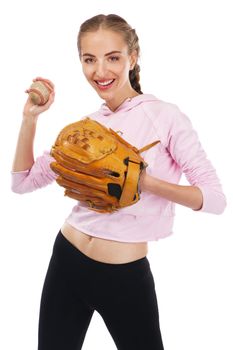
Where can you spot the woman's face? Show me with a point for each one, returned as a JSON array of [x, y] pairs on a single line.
[[106, 64]]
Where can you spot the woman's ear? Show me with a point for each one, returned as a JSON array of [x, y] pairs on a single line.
[[133, 59]]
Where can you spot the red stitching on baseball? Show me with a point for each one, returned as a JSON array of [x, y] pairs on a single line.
[[42, 101]]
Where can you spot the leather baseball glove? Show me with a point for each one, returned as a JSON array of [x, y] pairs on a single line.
[[96, 166]]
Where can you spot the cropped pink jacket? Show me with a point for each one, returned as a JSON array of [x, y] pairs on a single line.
[[142, 120]]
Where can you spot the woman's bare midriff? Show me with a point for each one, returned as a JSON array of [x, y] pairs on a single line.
[[104, 250]]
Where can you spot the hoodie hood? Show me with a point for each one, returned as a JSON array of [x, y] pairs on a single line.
[[127, 104]]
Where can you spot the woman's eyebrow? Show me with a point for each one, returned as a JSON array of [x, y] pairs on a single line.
[[107, 54]]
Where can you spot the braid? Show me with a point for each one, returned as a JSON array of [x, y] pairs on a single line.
[[134, 78]]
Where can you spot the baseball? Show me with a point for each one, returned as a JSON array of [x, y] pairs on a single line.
[[39, 92]]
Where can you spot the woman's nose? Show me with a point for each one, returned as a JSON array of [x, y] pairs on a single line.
[[101, 70]]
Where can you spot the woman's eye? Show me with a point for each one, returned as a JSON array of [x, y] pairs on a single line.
[[89, 60], [114, 58]]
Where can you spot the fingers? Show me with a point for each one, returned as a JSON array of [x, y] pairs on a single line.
[[51, 85], [32, 110], [48, 83], [50, 101]]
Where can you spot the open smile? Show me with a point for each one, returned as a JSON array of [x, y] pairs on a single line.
[[104, 84]]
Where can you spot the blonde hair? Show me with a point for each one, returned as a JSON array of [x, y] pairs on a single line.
[[119, 25]]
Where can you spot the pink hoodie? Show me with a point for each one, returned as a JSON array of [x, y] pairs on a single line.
[[142, 120]]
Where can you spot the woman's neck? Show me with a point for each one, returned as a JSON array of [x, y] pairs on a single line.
[[114, 105]]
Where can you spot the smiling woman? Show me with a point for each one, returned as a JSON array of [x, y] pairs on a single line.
[[99, 260], [106, 63], [109, 53]]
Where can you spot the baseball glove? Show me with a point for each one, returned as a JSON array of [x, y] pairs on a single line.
[[96, 166]]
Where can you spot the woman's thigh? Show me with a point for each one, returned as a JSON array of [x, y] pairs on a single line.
[[130, 312], [64, 319]]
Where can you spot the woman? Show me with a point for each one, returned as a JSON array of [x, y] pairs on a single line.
[[99, 260]]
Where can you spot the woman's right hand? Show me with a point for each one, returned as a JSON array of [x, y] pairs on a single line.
[[30, 109]]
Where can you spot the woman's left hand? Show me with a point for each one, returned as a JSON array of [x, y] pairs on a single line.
[[143, 180], [189, 196]]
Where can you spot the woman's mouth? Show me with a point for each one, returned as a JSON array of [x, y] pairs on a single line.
[[104, 84]]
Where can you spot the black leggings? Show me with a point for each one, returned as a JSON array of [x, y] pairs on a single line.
[[76, 285]]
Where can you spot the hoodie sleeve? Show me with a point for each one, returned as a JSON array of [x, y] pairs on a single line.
[[185, 148], [40, 175]]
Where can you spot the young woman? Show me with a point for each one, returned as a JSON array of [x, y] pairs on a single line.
[[99, 260]]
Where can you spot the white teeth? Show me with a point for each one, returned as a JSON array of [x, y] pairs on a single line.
[[107, 82]]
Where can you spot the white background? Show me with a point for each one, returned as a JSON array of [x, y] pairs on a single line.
[[186, 59]]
